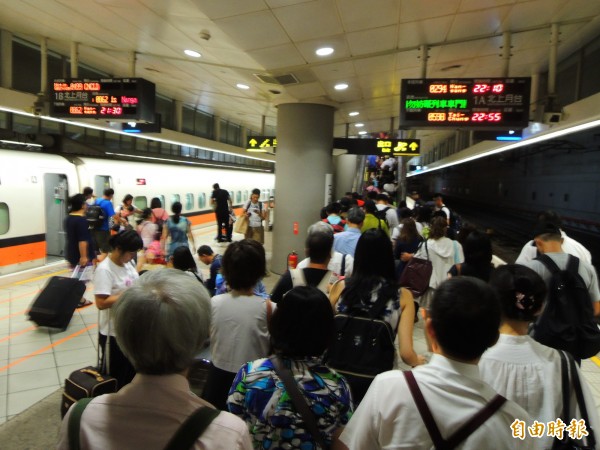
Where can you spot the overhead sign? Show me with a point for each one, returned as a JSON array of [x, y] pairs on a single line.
[[473, 103], [131, 99], [391, 147], [260, 143]]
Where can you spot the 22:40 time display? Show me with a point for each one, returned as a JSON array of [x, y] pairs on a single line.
[[461, 117]]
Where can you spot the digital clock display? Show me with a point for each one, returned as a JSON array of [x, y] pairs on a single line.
[[475, 103], [125, 99]]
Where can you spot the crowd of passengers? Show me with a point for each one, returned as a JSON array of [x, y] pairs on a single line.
[[476, 318]]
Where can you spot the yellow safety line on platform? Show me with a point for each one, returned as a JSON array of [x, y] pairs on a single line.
[[47, 347], [41, 277], [596, 360]]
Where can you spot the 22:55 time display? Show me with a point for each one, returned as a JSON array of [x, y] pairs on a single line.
[[486, 117]]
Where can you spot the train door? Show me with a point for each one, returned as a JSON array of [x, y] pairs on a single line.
[[101, 182], [56, 196]]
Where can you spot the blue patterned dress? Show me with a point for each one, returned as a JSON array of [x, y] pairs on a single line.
[[260, 399]]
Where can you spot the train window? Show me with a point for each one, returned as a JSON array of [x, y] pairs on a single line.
[[201, 201], [162, 201], [4, 218], [175, 198], [231, 195], [238, 197], [140, 202], [189, 201]]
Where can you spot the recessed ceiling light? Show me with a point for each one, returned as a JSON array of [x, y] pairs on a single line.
[[353, 113], [341, 86], [242, 86], [193, 53], [359, 125], [362, 132], [324, 51]]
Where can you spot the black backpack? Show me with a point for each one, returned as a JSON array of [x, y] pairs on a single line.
[[381, 214], [567, 321], [94, 215], [363, 343]]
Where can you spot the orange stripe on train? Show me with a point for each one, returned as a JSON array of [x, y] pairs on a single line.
[[22, 253]]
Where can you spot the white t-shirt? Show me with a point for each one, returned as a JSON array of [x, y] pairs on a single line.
[[111, 279], [255, 210], [570, 246], [335, 264], [238, 331]]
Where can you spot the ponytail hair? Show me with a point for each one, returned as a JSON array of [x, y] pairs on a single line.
[[176, 208]]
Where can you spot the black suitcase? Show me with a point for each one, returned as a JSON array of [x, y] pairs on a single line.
[[55, 305], [86, 382]]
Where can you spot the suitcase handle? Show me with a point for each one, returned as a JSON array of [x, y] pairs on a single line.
[[93, 373]]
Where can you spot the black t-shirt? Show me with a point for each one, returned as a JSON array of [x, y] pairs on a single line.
[[221, 196], [313, 278], [77, 230]]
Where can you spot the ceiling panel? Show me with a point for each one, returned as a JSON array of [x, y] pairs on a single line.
[[335, 73], [310, 20], [383, 13], [478, 23], [413, 34], [308, 90], [254, 30], [412, 10], [217, 9], [276, 57], [373, 41], [337, 42], [532, 13], [470, 5]]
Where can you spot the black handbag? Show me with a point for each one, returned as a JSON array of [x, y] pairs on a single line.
[[568, 443], [416, 274]]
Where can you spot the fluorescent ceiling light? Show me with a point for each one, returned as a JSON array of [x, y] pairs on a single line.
[[25, 144], [341, 86], [324, 51], [362, 132], [192, 53], [358, 125], [243, 86], [353, 113]]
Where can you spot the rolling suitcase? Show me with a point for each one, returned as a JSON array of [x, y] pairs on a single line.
[[55, 305], [89, 381]]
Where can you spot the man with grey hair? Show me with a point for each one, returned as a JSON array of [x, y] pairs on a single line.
[[341, 263], [345, 242], [318, 247], [161, 323]]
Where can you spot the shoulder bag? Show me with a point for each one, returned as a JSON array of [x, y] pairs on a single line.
[[416, 274], [568, 443]]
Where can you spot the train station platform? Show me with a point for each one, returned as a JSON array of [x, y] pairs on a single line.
[[34, 362]]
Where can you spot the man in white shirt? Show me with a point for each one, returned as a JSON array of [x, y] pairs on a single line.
[[569, 245], [391, 216], [440, 206], [463, 322]]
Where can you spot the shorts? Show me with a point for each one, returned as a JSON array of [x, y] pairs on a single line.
[[256, 233], [101, 238]]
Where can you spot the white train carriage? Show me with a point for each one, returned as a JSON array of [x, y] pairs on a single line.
[[34, 191]]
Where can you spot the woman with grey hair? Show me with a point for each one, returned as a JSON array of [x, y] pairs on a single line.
[[162, 322]]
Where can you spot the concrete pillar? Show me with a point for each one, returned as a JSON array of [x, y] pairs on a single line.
[[177, 115], [74, 59], [345, 173], [44, 65], [6, 55], [303, 161]]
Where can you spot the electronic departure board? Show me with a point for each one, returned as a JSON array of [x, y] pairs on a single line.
[[114, 99], [474, 103]]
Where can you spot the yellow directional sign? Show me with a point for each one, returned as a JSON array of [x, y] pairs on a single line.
[[260, 143], [391, 147]]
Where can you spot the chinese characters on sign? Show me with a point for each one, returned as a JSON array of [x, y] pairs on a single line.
[[474, 103], [558, 429]]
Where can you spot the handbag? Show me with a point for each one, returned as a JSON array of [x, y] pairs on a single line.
[[241, 224], [568, 443], [416, 274]]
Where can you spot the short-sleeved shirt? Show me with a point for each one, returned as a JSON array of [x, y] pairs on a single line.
[[77, 229], [238, 331], [111, 279], [215, 268], [255, 210], [587, 272], [221, 196], [178, 232], [313, 278], [258, 396], [109, 211]]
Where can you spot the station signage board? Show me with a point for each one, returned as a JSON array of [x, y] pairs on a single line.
[[260, 143], [114, 99], [470, 103], [390, 147]]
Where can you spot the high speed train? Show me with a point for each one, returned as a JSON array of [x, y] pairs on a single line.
[[34, 191]]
